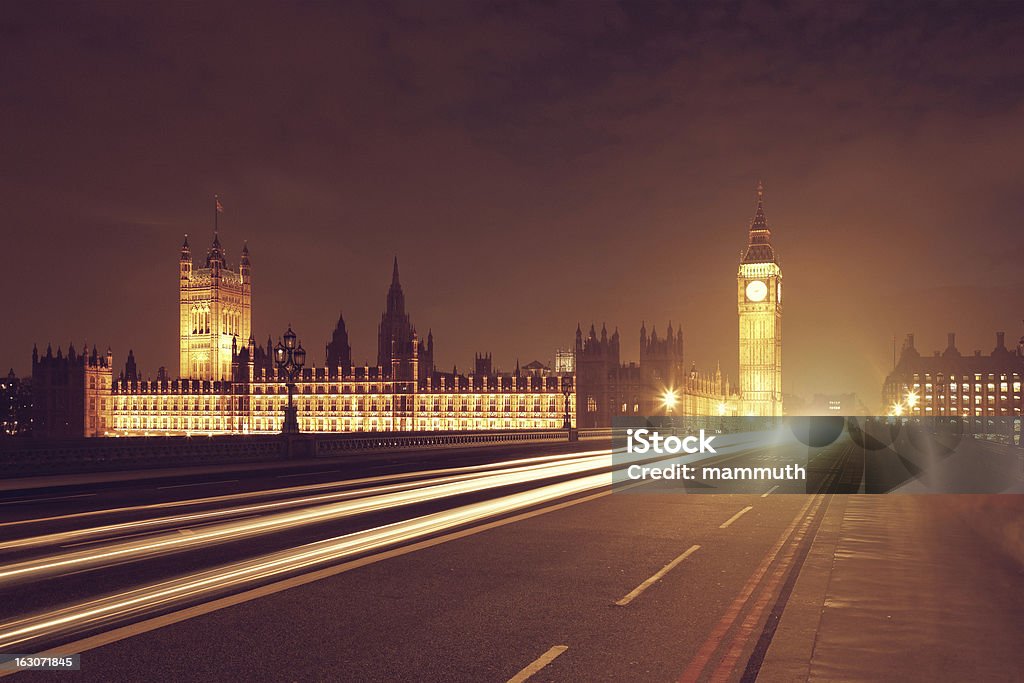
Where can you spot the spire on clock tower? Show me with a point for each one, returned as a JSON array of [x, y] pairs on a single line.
[[759, 246], [759, 222]]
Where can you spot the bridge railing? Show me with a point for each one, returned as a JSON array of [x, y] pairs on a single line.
[[21, 455], [18, 456], [343, 443]]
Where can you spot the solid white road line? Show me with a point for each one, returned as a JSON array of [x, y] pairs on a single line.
[[199, 483], [538, 664], [735, 517], [660, 573], [765, 494]]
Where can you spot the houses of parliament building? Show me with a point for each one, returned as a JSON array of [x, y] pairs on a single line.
[[661, 383], [227, 383]]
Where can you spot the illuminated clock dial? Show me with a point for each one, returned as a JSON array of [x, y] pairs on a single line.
[[757, 290]]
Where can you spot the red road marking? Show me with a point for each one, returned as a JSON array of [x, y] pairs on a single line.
[[748, 627], [718, 634], [714, 640]]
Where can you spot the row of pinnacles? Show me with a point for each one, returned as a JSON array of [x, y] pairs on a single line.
[[608, 388], [70, 393], [976, 387], [215, 307], [910, 352], [228, 383], [254, 364]]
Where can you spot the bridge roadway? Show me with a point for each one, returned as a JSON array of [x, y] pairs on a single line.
[[510, 563]]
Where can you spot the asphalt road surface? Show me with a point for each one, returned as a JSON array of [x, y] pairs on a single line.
[[513, 564]]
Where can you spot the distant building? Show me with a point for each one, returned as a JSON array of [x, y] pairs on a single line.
[[397, 341], [759, 299], [605, 388], [339, 353], [483, 364], [243, 391], [661, 384], [949, 383], [565, 362], [215, 307], [15, 405], [71, 395], [229, 384], [536, 369]]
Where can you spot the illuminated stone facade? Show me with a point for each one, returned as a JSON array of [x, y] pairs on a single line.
[[759, 301], [948, 383], [361, 399], [228, 387], [215, 306], [660, 384], [228, 384]]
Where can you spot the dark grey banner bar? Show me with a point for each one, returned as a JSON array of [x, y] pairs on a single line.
[[818, 454]]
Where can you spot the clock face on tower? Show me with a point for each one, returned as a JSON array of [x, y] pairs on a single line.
[[757, 290]]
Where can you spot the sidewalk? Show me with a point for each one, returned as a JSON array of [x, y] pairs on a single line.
[[902, 587]]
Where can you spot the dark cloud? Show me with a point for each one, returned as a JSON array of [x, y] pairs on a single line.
[[531, 164]]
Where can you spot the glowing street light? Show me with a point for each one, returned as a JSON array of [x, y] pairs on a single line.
[[912, 399], [289, 359], [897, 409], [669, 400]]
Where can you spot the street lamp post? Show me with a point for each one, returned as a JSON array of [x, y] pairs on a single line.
[[567, 392], [289, 358]]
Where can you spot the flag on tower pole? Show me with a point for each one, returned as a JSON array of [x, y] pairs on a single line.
[[218, 209]]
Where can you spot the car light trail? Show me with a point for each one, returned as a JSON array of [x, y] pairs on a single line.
[[305, 488], [166, 594], [135, 527], [172, 541]]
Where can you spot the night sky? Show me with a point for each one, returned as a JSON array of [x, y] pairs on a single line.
[[531, 164]]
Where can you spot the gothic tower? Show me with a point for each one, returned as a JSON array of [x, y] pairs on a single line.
[[759, 300], [661, 365], [215, 307], [597, 377], [426, 354], [395, 333], [339, 353]]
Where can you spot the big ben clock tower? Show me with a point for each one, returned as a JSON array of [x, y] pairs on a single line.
[[759, 298]]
